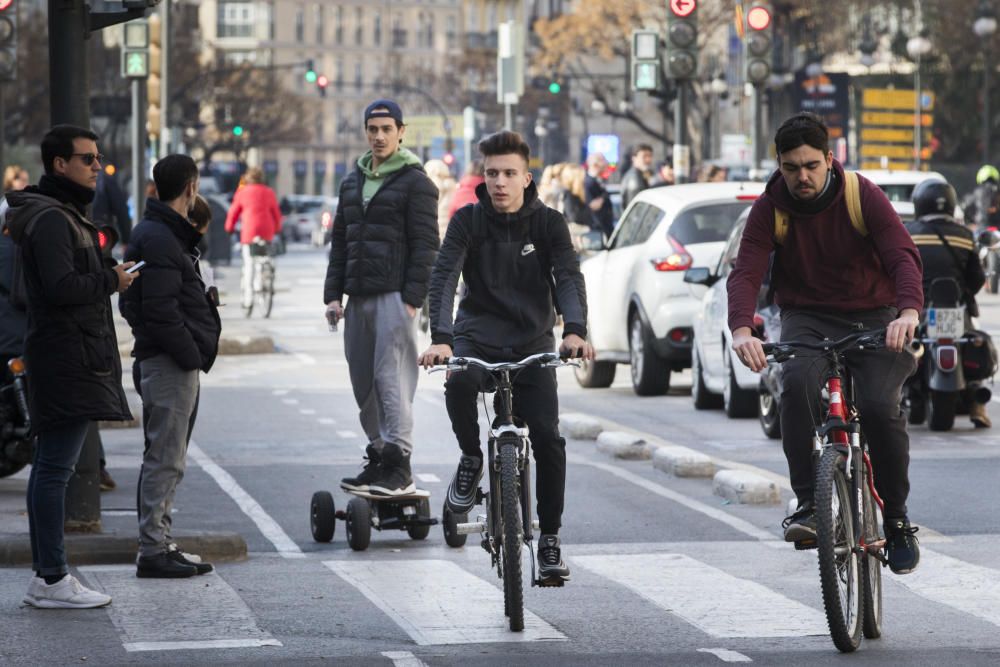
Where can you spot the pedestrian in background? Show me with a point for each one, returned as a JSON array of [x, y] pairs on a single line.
[[465, 193], [550, 187], [70, 346], [13, 317], [637, 178], [385, 239], [597, 195], [664, 174], [441, 177], [176, 328], [255, 207]]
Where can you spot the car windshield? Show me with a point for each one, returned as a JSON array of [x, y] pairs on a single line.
[[898, 192], [706, 224], [306, 206]]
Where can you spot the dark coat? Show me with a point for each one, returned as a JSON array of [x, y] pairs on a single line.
[[167, 306], [71, 350], [633, 182], [391, 245], [961, 262], [13, 320]]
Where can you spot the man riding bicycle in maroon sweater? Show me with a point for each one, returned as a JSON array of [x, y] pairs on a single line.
[[833, 273]]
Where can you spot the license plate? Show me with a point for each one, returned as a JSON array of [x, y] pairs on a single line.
[[945, 322]]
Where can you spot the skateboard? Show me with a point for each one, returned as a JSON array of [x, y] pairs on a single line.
[[365, 511]]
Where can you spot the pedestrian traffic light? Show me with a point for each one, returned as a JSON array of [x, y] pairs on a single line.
[[310, 71], [237, 130], [645, 60], [8, 40], [555, 87], [153, 114], [448, 159], [682, 39], [321, 83], [758, 52]]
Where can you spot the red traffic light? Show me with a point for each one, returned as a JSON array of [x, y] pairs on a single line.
[[322, 81], [448, 159], [759, 18], [102, 239], [683, 8], [4, 4]]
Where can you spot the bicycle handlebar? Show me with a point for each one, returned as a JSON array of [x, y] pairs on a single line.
[[543, 359], [865, 340]]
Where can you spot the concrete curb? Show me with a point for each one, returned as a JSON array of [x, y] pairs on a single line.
[[117, 549], [683, 462], [580, 427], [246, 345], [740, 486], [623, 446]]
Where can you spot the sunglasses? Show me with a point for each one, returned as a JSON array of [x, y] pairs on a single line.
[[88, 158]]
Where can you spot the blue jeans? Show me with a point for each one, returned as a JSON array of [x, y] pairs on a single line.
[[56, 454]]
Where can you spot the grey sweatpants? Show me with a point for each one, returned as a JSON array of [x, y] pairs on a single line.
[[381, 346], [169, 407]]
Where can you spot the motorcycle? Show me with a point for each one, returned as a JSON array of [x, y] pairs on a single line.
[[17, 442], [936, 390], [988, 247]]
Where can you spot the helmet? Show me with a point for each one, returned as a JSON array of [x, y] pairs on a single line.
[[934, 196], [987, 173]]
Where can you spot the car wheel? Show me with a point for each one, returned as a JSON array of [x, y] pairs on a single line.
[[738, 403], [768, 413], [703, 398], [650, 374]]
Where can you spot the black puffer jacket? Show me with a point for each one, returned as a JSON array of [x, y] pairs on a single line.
[[70, 348], [388, 247], [509, 302], [961, 262], [166, 306]]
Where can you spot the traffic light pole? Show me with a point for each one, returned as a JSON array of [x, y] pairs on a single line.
[[166, 137], [758, 128], [682, 155], [138, 127]]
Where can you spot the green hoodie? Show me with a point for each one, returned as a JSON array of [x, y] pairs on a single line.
[[374, 179]]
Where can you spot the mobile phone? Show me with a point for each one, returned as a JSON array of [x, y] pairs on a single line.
[[138, 265]]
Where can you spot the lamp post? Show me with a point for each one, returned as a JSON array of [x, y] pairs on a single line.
[[719, 89], [917, 47], [984, 27]]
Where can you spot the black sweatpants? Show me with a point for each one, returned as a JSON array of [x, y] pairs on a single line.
[[878, 382], [537, 403]]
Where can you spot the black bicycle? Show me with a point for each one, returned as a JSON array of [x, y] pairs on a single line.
[[850, 547], [508, 525]]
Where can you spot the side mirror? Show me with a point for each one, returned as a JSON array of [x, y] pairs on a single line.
[[592, 241], [700, 275]]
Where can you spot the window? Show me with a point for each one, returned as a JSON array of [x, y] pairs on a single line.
[[318, 17], [359, 26], [706, 224], [429, 39], [338, 82], [450, 34], [378, 30], [238, 57], [300, 25], [235, 19], [728, 260], [318, 129], [628, 227], [358, 76], [398, 32], [338, 35]]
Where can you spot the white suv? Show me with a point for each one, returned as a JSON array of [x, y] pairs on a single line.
[[640, 312]]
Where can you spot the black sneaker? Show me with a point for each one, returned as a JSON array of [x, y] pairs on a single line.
[[462, 490], [395, 478], [162, 566], [175, 554], [901, 546], [801, 525], [550, 562], [370, 472]]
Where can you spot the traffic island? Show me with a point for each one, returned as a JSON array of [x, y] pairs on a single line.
[[580, 427], [246, 345], [683, 462], [623, 446], [114, 548], [745, 488]]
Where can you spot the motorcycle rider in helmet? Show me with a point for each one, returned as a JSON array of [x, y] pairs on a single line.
[[934, 226], [982, 205]]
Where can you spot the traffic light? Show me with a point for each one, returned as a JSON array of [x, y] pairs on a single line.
[[8, 40], [759, 42], [645, 60], [237, 130], [153, 80], [321, 83], [310, 71], [555, 87], [682, 39]]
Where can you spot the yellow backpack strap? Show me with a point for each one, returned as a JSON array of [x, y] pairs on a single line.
[[852, 192], [780, 226]]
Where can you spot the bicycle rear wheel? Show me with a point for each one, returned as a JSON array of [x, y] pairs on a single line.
[[513, 535], [266, 294], [839, 564], [871, 569]]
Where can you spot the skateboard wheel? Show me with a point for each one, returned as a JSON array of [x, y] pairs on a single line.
[[359, 524], [421, 531], [322, 516]]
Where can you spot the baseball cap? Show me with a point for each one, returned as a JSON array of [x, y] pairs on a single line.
[[386, 109]]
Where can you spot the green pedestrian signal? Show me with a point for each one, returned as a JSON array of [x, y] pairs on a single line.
[[238, 130], [310, 71], [136, 64], [555, 87]]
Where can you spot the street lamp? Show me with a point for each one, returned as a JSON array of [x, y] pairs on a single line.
[[984, 27], [917, 47]]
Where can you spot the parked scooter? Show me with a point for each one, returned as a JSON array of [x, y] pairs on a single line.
[[17, 442]]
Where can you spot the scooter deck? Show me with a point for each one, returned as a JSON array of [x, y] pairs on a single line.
[[419, 494]]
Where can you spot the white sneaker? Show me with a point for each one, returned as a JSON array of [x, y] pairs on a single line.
[[67, 593]]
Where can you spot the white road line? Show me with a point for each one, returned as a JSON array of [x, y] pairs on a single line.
[[268, 527], [327, 421], [726, 655], [118, 513], [744, 527], [306, 359], [970, 588], [200, 613], [441, 603], [347, 435], [428, 477], [404, 659], [290, 401], [710, 599], [279, 392], [307, 411]]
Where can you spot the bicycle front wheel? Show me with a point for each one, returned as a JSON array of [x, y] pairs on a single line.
[[513, 535], [871, 568], [265, 296], [839, 563]]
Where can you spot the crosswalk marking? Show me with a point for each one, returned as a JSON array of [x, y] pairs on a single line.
[[440, 602], [347, 435], [199, 613], [726, 655], [718, 603], [970, 588], [404, 659]]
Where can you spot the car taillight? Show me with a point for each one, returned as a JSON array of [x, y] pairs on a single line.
[[679, 260], [947, 357], [680, 335], [326, 219], [746, 197]]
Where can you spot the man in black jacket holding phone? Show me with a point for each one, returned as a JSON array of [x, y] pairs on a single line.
[[176, 326]]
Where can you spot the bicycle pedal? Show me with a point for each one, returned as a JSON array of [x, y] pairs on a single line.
[[805, 545]]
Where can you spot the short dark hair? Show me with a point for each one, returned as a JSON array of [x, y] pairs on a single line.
[[58, 142], [802, 129], [505, 142], [641, 147], [172, 174]]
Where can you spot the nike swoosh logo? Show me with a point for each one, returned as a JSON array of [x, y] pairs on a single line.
[[528, 249]]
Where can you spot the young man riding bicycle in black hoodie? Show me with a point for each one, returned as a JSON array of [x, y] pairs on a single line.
[[518, 263]]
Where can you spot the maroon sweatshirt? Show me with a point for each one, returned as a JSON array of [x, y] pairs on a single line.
[[824, 263]]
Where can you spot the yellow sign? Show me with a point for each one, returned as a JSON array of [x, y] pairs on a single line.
[[892, 166], [894, 119], [891, 135], [891, 151], [889, 98], [421, 130]]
